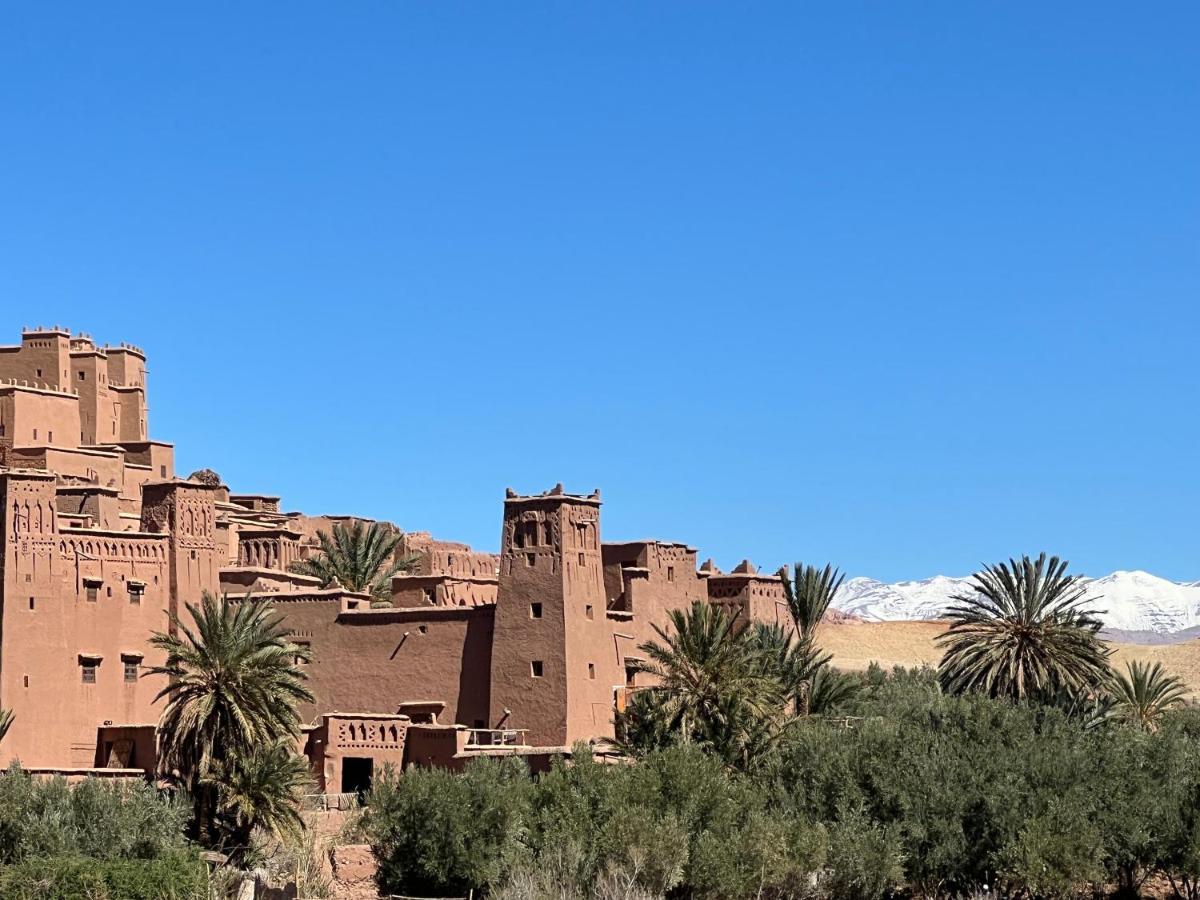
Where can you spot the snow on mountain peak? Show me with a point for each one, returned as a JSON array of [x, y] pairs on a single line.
[[1131, 601]]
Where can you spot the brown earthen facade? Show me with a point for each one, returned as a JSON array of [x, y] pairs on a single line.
[[526, 651]]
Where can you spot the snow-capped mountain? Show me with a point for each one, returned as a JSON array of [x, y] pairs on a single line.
[[1127, 601]]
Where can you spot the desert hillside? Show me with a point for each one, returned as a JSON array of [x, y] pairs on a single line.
[[856, 645]]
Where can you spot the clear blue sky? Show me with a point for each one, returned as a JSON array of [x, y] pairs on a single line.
[[904, 286]]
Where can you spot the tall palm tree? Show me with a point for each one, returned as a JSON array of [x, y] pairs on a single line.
[[6, 720], [1142, 694], [708, 670], [1024, 631], [233, 686], [357, 556], [808, 592], [262, 789]]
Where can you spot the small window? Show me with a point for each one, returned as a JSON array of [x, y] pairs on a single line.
[[31, 603], [39, 371], [92, 593], [581, 559], [670, 573], [530, 559], [108, 591], [135, 593], [87, 671], [303, 659], [630, 675], [430, 595], [162, 471], [423, 629], [592, 671], [35, 434], [50, 436], [535, 610], [131, 670], [82, 377], [589, 611], [26, 681], [536, 668]]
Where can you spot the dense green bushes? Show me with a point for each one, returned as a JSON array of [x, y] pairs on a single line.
[[96, 840], [179, 876], [916, 793]]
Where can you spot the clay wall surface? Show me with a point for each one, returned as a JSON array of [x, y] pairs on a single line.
[[94, 506], [380, 738], [72, 463], [67, 606], [241, 580], [373, 660], [445, 557], [186, 512], [529, 656], [97, 409], [43, 358], [443, 590], [130, 403], [37, 418]]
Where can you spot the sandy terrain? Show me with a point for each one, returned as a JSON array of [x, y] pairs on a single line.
[[855, 646]]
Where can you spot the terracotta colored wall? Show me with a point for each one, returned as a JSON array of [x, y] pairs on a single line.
[[47, 351], [57, 714], [372, 660], [39, 418]]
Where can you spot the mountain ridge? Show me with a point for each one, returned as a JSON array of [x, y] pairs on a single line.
[[1131, 601]]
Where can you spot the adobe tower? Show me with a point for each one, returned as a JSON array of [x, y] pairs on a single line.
[[551, 658]]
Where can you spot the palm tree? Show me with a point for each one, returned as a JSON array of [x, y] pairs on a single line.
[[6, 720], [793, 660], [1023, 632], [262, 789], [808, 593], [359, 557], [710, 675], [1142, 694], [233, 685], [829, 689]]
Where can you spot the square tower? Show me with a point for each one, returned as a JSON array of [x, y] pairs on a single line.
[[553, 666]]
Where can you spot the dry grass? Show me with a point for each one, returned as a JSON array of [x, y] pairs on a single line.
[[855, 646]]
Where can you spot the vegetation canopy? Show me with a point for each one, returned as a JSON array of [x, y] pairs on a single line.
[[359, 557], [1024, 631]]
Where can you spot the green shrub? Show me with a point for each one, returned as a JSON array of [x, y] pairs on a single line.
[[95, 818], [178, 876], [436, 833]]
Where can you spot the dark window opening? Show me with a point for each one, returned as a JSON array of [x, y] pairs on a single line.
[[423, 629], [162, 470], [581, 559], [592, 671], [82, 377], [26, 681], [305, 656], [536, 668], [50, 436], [535, 610], [88, 672], [630, 675], [670, 573], [131, 670], [530, 559], [31, 603], [92, 593], [356, 774], [39, 371], [135, 593], [589, 612], [431, 595]]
